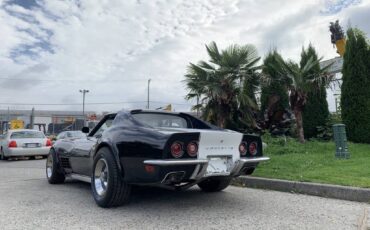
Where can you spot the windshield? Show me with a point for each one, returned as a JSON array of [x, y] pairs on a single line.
[[161, 120], [26, 134]]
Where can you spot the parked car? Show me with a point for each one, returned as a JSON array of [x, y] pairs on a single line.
[[170, 150], [71, 135], [23, 142]]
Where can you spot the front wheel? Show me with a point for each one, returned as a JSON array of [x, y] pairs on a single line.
[[107, 185], [53, 169], [214, 184]]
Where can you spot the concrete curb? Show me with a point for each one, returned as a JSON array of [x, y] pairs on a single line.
[[315, 189]]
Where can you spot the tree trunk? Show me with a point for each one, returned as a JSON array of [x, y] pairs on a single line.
[[299, 121], [221, 116], [221, 121]]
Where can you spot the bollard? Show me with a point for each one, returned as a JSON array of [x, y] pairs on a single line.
[[340, 139]]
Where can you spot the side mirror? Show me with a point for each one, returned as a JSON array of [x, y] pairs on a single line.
[[85, 130]]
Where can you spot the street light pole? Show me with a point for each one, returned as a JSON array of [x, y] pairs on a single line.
[[83, 91], [147, 106]]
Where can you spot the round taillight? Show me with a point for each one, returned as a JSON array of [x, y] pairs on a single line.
[[243, 148], [253, 148], [192, 149], [176, 150]]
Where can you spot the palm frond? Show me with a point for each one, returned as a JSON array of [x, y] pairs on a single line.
[[213, 53]]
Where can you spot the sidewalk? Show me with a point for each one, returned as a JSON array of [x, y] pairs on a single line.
[[315, 189]]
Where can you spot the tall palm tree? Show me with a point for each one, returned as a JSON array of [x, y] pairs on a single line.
[[224, 83], [300, 80]]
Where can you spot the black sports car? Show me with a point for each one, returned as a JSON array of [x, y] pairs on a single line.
[[172, 150]]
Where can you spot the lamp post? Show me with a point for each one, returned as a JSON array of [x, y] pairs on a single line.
[[147, 106], [83, 91]]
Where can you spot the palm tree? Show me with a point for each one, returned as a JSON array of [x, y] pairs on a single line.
[[224, 84], [300, 80]]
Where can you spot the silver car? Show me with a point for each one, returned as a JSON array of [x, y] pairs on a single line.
[[24, 142]]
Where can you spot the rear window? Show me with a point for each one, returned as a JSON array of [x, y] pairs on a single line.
[[161, 120], [26, 134]]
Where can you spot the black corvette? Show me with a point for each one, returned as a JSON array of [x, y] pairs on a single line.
[[172, 150]]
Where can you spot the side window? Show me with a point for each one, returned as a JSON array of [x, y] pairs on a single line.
[[107, 124]]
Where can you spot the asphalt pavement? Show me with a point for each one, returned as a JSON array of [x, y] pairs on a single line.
[[27, 201]]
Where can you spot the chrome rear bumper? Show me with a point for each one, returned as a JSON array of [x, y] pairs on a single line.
[[201, 165], [242, 162]]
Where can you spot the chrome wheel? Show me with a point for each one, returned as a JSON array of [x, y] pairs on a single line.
[[101, 175], [49, 166]]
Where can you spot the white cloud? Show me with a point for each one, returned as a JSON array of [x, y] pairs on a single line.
[[113, 47]]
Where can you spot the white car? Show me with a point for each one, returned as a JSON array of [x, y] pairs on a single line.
[[24, 142]]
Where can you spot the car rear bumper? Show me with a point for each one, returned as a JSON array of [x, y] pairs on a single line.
[[177, 170], [27, 151]]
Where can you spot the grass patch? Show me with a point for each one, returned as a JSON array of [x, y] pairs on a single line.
[[315, 161]]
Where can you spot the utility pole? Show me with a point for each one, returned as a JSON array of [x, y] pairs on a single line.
[[8, 121], [32, 118], [83, 91], [147, 106], [8, 114]]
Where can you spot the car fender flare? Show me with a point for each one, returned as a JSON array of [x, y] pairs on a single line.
[[113, 152]]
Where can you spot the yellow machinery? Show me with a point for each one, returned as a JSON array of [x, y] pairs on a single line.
[[341, 46], [16, 124], [337, 37], [168, 108]]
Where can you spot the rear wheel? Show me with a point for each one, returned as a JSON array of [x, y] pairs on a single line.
[[107, 185], [214, 184], [2, 155], [53, 169]]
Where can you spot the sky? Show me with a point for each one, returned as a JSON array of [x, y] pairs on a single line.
[[49, 50]]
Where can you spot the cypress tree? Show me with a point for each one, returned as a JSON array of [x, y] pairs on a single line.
[[276, 87], [355, 98], [316, 111]]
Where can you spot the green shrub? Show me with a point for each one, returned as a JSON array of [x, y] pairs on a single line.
[[316, 111], [355, 97]]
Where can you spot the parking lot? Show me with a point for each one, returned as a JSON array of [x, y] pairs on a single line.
[[27, 201]]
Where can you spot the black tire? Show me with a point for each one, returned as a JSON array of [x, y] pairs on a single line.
[[54, 172], [2, 157], [105, 170], [214, 184]]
